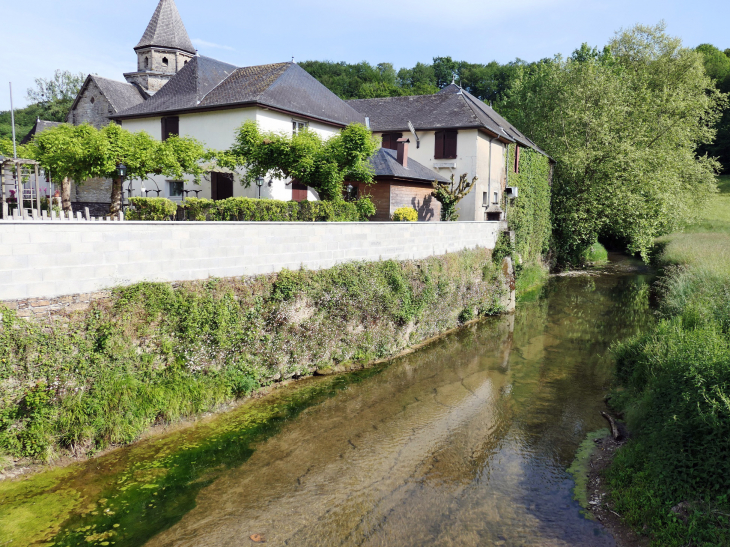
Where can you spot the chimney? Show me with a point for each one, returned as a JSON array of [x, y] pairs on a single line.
[[403, 152]]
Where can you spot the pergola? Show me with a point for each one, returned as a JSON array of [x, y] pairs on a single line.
[[20, 169]]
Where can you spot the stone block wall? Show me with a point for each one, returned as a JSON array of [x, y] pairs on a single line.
[[92, 108], [48, 260]]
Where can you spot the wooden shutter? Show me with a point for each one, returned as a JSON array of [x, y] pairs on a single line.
[[298, 191], [450, 144], [438, 153], [517, 158], [390, 140], [170, 126]]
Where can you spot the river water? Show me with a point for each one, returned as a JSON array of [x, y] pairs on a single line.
[[463, 443]]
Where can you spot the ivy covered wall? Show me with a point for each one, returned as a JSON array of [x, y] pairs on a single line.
[[529, 214]]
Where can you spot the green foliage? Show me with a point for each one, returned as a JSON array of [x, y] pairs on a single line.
[[675, 392], [623, 125], [271, 210], [151, 209], [364, 81], [405, 214], [717, 65], [317, 163], [156, 353], [450, 194], [596, 254], [529, 214], [51, 100]]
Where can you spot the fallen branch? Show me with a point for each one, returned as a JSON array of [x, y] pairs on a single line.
[[615, 431]]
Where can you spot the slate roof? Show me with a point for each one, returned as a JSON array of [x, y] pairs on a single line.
[[166, 29], [450, 108], [206, 83], [120, 95], [385, 163], [39, 127]]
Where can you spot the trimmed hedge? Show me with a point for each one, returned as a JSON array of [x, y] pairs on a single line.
[[257, 210], [151, 209]]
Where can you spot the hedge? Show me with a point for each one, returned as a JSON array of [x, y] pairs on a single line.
[[261, 210]]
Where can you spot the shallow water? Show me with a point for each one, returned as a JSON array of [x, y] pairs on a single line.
[[463, 443]]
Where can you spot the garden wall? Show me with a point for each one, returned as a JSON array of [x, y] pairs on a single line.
[[48, 260]]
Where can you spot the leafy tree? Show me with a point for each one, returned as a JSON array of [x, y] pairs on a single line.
[[624, 125], [83, 152], [717, 65], [450, 194], [320, 164]]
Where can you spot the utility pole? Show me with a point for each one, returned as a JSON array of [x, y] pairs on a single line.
[[12, 121]]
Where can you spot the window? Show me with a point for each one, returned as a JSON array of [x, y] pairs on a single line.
[[496, 198], [390, 140], [170, 126], [485, 198], [445, 145], [298, 126], [165, 61], [146, 62], [175, 188], [93, 100], [517, 158]]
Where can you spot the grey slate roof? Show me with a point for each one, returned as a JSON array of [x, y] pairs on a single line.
[[39, 127], [166, 29], [385, 164], [450, 108], [206, 83], [121, 95]]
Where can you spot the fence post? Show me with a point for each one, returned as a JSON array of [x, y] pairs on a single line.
[[86, 213], [5, 210], [121, 216]]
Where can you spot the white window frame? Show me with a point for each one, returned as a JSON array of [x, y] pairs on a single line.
[[298, 125]]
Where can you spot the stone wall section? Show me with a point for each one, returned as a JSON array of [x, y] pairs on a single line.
[[47, 260], [96, 190], [92, 108], [45, 307]]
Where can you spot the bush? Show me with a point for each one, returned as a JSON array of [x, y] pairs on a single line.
[[405, 214], [151, 209], [271, 210], [596, 253]]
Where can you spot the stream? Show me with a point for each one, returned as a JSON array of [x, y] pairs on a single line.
[[463, 443]]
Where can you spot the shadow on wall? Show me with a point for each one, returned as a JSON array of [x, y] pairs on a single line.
[[428, 209]]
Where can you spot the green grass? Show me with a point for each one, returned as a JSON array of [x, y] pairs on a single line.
[[674, 389], [596, 254], [530, 282], [723, 183]]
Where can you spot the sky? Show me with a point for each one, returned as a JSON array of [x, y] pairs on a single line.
[[96, 37]]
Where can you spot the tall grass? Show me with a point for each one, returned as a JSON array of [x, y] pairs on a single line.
[[675, 392]]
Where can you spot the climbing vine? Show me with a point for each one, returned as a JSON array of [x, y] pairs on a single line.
[[529, 214]]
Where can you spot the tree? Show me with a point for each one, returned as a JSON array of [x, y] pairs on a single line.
[[450, 194], [320, 164], [717, 65], [83, 152], [56, 95], [624, 125]]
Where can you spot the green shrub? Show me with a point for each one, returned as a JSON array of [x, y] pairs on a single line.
[[596, 254], [151, 209], [271, 210], [405, 214]]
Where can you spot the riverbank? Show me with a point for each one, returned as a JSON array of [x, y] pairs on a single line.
[[670, 481], [158, 353]]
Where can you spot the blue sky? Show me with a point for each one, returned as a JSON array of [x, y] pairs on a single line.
[[97, 37]]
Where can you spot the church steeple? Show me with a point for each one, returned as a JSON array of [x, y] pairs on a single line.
[[163, 50], [166, 29]]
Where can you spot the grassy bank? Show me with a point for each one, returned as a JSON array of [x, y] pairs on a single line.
[[672, 480], [155, 353]]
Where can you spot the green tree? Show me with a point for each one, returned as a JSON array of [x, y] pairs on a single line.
[[83, 152], [624, 125], [56, 95], [320, 164], [717, 65], [450, 194]]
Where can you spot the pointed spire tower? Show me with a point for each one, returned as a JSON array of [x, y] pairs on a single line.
[[164, 49]]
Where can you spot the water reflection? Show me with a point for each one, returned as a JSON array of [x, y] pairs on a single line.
[[465, 443]]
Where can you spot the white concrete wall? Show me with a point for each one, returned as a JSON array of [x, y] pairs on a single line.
[[217, 130], [51, 259]]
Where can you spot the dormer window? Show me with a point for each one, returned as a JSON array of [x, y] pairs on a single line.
[[165, 61]]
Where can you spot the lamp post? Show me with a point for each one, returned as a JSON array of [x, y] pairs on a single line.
[[122, 173], [259, 183], [349, 189]]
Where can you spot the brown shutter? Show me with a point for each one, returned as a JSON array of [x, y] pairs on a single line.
[[450, 144], [517, 158], [170, 126], [390, 140], [438, 153], [386, 140]]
